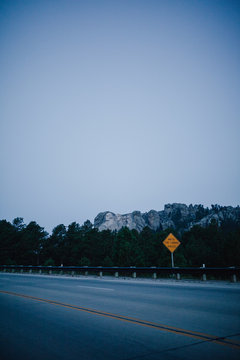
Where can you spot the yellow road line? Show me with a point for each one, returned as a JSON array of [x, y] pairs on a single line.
[[171, 329]]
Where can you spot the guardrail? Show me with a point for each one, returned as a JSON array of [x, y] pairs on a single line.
[[232, 273]]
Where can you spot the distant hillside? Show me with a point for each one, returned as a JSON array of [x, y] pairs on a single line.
[[177, 216]]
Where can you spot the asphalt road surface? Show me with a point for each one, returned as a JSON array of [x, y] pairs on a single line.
[[47, 317]]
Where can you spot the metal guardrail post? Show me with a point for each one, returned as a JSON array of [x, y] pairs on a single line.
[[178, 276], [154, 275], [86, 272], [116, 274], [134, 274], [100, 272], [61, 271], [234, 278], [204, 276]]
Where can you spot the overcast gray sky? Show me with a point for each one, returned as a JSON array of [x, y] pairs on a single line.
[[117, 105]]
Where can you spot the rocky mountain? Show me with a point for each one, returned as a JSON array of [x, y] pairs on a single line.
[[176, 216]]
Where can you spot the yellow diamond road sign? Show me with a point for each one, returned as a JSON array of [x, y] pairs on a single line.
[[171, 242]]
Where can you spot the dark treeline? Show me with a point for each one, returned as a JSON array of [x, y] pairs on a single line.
[[22, 244]]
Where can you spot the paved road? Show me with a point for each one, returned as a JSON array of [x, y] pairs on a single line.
[[61, 318]]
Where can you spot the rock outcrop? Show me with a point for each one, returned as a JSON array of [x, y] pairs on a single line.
[[176, 216]]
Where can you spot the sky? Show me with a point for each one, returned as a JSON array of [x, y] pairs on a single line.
[[117, 106]]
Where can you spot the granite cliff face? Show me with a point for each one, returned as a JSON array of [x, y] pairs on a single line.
[[176, 216]]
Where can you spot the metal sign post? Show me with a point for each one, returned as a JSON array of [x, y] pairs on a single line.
[[171, 242], [172, 259]]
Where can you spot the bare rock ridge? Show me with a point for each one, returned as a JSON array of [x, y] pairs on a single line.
[[176, 216]]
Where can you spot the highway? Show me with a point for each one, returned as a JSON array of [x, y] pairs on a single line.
[[87, 318]]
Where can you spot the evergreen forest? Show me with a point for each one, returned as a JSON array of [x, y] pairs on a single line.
[[76, 245]]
